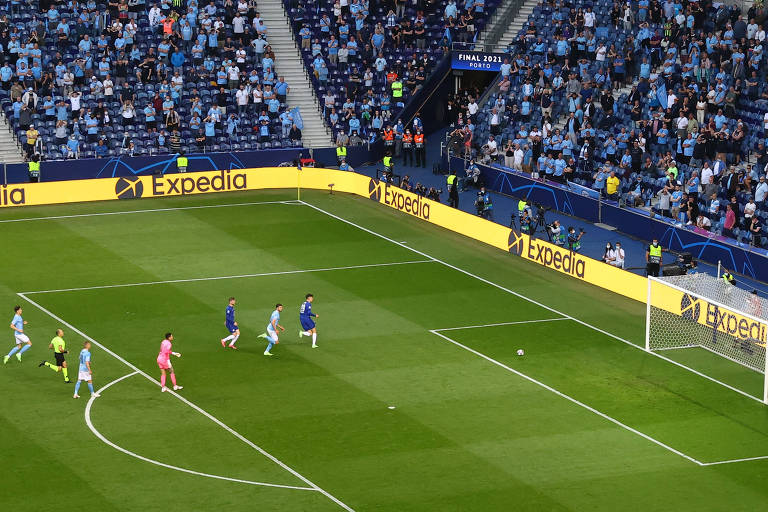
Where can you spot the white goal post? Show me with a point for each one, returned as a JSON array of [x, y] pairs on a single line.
[[699, 311]]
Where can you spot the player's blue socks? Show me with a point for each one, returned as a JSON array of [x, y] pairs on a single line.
[[90, 387], [269, 347], [77, 387], [14, 350], [25, 348]]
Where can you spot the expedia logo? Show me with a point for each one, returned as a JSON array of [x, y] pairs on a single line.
[[406, 202], [721, 319], [129, 187], [374, 190], [516, 243], [12, 196], [177, 184], [553, 257], [690, 309]]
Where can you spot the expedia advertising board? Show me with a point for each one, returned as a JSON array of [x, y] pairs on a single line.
[[578, 266], [710, 315], [134, 187], [439, 214]]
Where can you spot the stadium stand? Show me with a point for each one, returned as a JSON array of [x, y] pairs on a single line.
[[366, 62], [129, 77], [668, 97]]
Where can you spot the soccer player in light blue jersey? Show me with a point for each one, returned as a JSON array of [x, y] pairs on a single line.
[[231, 325], [305, 318], [272, 329], [84, 372], [22, 340]]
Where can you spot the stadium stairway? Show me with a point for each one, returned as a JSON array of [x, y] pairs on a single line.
[[290, 65], [9, 149], [511, 30]]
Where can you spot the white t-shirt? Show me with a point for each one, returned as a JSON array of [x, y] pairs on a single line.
[[242, 97], [493, 147], [74, 101], [600, 54], [706, 173], [589, 19], [473, 107], [618, 255]]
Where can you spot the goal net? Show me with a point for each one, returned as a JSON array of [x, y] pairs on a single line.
[[699, 311]]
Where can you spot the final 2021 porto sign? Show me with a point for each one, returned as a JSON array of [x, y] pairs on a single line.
[[477, 61]]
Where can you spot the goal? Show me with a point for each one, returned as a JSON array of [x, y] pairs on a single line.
[[701, 312]]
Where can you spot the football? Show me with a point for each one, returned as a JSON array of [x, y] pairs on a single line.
[[520, 352]]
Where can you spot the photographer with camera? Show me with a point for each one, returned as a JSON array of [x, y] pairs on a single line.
[[524, 214], [484, 204], [554, 231], [574, 240]]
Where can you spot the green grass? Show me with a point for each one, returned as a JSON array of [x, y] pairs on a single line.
[[466, 433]]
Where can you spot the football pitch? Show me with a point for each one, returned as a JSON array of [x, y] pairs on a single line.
[[416, 398]]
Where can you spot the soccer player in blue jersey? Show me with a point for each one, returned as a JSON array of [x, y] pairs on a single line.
[[232, 327], [305, 317], [84, 372], [272, 329], [22, 340]]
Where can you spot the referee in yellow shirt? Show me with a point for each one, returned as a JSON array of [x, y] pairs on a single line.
[[59, 349]]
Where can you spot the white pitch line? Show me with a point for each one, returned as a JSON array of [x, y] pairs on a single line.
[[747, 459], [194, 406], [239, 276], [533, 301], [162, 464], [570, 399], [501, 323], [128, 212]]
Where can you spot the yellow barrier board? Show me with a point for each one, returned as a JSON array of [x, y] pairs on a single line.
[[576, 265]]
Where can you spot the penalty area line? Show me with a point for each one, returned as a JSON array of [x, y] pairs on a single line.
[[193, 406], [519, 322], [109, 443], [239, 276], [569, 398]]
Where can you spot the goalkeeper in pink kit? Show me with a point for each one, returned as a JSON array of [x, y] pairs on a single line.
[[164, 362]]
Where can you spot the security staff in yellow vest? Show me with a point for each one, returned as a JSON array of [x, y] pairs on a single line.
[[341, 153], [181, 162], [397, 90], [728, 278], [453, 189], [387, 161], [421, 152], [34, 168], [653, 259]]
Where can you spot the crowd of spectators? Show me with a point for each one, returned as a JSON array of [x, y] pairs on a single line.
[[366, 60], [664, 103], [86, 78]]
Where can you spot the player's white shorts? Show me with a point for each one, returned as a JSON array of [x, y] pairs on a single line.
[[21, 338], [272, 335], [83, 376]]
